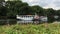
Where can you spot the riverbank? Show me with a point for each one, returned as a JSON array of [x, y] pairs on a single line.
[[31, 29]]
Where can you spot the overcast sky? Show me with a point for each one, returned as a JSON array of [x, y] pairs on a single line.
[[55, 4]]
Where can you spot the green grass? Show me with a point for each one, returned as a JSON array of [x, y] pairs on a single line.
[[31, 29]]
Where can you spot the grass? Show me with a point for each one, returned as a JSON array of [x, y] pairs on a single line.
[[31, 29]]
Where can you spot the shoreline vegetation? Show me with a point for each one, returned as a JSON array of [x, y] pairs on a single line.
[[9, 10], [45, 28]]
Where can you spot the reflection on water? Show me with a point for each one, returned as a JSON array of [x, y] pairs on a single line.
[[14, 21], [8, 21], [25, 21]]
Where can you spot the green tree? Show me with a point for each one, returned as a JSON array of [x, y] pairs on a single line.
[[39, 10], [50, 14], [3, 9], [16, 7]]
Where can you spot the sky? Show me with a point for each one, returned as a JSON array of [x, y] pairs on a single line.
[[55, 4]]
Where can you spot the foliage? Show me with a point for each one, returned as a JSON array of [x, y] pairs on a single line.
[[31, 29], [17, 7]]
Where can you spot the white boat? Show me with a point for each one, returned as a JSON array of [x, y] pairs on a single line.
[[25, 17], [30, 18]]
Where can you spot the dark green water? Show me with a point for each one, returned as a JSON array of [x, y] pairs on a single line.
[[8, 21]]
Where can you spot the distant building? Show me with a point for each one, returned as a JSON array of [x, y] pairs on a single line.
[[56, 17]]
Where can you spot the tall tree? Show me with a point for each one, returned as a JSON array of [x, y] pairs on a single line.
[[16, 7], [50, 14], [38, 10], [3, 9]]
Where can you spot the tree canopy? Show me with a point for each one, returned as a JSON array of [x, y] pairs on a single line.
[[12, 8]]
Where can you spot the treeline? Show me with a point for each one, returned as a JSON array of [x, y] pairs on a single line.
[[13, 8]]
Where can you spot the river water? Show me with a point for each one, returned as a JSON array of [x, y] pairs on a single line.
[[8, 21], [14, 21]]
